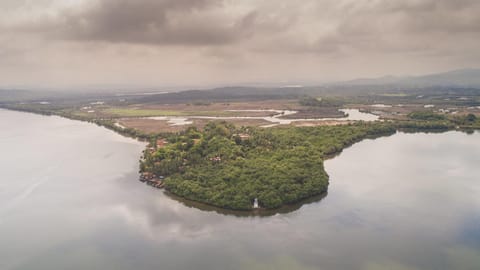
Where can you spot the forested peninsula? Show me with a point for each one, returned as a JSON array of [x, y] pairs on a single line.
[[229, 167], [232, 168]]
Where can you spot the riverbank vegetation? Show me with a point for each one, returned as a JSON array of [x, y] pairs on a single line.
[[432, 120], [229, 167]]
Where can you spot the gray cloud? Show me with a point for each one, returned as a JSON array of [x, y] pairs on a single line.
[[241, 40], [414, 16], [162, 22], [409, 26], [352, 24]]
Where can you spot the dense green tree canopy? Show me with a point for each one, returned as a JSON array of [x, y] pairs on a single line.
[[277, 166]]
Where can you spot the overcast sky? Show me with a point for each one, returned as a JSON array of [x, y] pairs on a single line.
[[62, 43]]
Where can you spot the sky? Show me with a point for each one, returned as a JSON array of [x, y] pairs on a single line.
[[199, 43]]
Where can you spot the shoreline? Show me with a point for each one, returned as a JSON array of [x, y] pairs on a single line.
[[263, 210]]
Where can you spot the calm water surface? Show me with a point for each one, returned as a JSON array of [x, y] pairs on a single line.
[[70, 199]]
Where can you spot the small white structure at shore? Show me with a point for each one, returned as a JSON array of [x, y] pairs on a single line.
[[255, 203]]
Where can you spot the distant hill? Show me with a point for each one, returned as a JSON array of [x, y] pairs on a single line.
[[7, 95], [22, 95], [455, 78], [461, 77], [463, 81]]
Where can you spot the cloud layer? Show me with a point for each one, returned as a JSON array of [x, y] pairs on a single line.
[[228, 42]]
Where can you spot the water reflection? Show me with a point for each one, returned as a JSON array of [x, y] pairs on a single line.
[[256, 212], [70, 199]]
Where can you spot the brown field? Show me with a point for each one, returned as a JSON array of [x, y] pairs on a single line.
[[224, 109], [320, 123], [251, 105], [150, 125], [153, 126]]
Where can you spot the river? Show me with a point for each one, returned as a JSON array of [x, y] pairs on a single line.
[[275, 120], [70, 199]]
